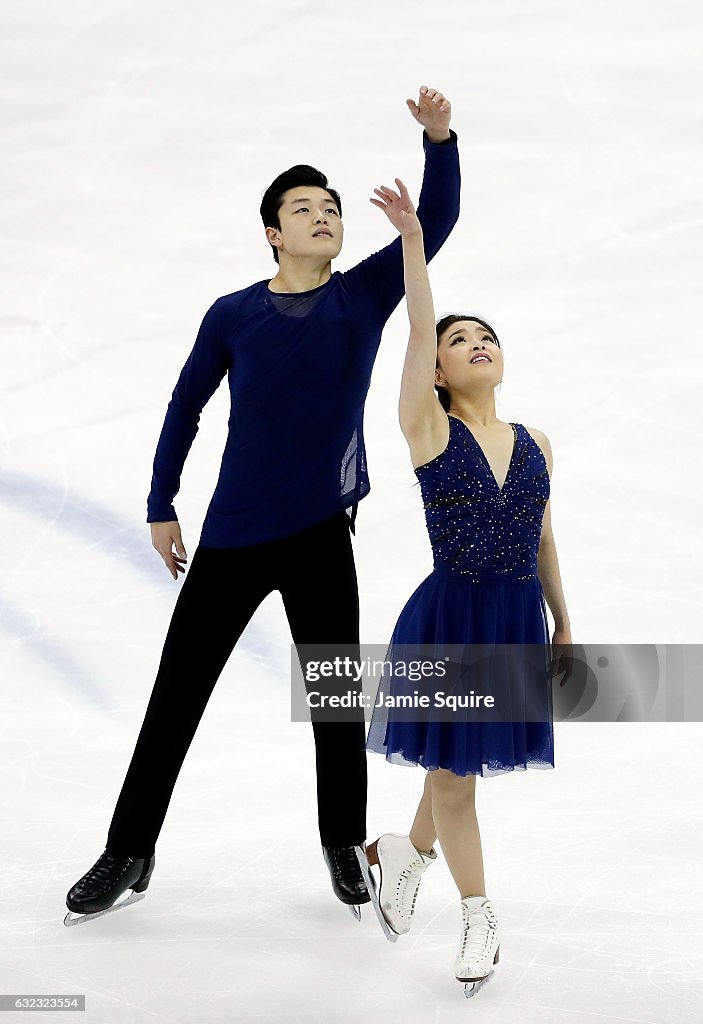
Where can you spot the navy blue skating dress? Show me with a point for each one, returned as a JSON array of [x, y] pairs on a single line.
[[483, 589]]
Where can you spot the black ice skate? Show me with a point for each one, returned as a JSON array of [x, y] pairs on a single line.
[[96, 892], [347, 880]]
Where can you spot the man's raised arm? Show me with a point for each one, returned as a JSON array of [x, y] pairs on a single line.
[[381, 274]]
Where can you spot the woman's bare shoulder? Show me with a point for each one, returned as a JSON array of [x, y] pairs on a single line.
[[543, 441]]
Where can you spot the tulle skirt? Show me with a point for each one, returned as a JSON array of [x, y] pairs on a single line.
[[446, 608]]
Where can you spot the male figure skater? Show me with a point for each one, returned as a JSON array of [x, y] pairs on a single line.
[[298, 350]]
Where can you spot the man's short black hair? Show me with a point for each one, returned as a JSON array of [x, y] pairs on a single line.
[[301, 174]]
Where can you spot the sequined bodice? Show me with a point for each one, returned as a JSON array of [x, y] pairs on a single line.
[[481, 531]]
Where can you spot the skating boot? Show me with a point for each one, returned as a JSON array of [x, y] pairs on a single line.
[[480, 944], [96, 892], [347, 880], [401, 867]]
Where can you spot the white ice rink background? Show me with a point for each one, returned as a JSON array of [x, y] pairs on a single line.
[[137, 141]]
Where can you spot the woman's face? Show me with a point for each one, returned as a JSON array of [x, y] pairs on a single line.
[[469, 355]]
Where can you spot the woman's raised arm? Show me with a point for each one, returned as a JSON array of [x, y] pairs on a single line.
[[419, 409]]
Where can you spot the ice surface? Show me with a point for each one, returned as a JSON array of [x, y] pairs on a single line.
[[137, 141]]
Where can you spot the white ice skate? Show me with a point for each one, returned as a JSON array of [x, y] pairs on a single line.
[[400, 867], [480, 944]]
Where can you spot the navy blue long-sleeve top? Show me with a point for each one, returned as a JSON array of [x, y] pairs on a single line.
[[299, 367]]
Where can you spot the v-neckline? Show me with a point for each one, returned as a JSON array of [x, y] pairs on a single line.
[[483, 454]]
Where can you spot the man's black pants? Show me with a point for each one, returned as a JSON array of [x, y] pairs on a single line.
[[315, 573]]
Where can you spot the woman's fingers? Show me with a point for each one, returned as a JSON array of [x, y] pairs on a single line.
[[390, 197], [387, 193]]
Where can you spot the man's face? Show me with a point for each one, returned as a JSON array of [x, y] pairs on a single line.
[[306, 213]]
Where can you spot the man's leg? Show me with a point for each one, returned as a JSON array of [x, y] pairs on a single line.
[[219, 594], [319, 589]]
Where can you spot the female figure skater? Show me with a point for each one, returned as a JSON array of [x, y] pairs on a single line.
[[485, 486]]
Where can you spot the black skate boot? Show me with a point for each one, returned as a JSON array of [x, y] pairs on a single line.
[[347, 881], [110, 876]]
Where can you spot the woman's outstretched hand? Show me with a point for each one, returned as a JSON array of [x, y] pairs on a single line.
[[398, 208], [163, 536]]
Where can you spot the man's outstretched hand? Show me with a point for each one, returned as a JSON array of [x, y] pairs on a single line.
[[163, 537], [433, 112]]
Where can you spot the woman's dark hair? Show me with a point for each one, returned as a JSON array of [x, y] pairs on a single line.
[[442, 325], [301, 174]]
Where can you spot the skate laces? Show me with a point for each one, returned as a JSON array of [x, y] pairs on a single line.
[[405, 896], [102, 870], [345, 860], [477, 934]]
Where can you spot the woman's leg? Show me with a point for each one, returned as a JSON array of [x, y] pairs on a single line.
[[423, 832], [454, 815]]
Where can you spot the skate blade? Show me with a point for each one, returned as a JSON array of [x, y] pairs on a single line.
[[472, 987], [371, 886], [356, 910], [72, 918]]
